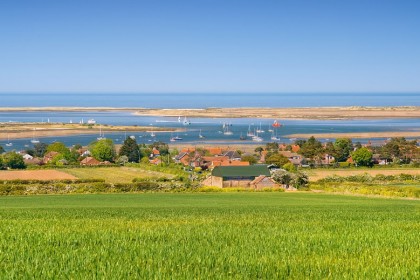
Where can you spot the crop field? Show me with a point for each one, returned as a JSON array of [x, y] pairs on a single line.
[[212, 235], [317, 174], [114, 174], [35, 175]]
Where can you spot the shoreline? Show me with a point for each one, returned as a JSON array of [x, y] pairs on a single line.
[[357, 135], [30, 130], [315, 113]]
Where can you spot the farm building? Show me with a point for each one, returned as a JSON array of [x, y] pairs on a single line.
[[240, 176]]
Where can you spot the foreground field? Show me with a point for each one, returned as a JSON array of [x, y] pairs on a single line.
[[186, 236]]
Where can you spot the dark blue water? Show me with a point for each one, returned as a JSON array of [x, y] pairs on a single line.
[[201, 100], [210, 128]]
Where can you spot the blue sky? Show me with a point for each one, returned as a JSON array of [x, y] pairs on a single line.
[[209, 46]]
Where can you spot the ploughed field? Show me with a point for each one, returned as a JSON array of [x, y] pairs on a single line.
[[209, 235]]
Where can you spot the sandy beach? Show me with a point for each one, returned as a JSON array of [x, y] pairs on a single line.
[[358, 135], [29, 130], [320, 113]]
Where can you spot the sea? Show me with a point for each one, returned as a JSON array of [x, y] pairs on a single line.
[[212, 129]]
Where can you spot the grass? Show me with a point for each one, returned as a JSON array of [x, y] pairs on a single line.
[[114, 174], [216, 235]]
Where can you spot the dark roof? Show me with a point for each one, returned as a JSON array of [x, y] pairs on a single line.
[[246, 171], [232, 154]]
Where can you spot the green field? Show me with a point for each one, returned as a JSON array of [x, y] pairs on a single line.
[[215, 235]]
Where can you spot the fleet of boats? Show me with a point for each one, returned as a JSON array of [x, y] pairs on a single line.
[[255, 134]]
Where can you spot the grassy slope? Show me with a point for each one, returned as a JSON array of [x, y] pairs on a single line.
[[113, 174], [230, 235], [316, 174]]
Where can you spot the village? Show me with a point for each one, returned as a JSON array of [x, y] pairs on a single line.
[[223, 167]]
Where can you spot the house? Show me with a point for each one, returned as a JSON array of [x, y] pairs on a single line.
[[327, 159], [378, 159], [155, 153], [232, 155], [183, 158], [27, 157], [262, 182], [294, 158], [90, 161], [235, 176], [48, 157], [155, 161]]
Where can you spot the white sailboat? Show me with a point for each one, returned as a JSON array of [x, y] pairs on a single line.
[[201, 136], [186, 122], [8, 144], [260, 130], [34, 140], [250, 133], [274, 137], [101, 135], [226, 130]]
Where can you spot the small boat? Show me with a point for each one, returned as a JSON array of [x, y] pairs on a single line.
[[250, 133], [133, 137], [201, 136], [242, 137], [274, 137], [91, 121], [8, 144], [276, 124], [101, 135], [226, 130], [34, 140], [152, 134], [179, 119], [186, 122], [260, 130], [176, 138]]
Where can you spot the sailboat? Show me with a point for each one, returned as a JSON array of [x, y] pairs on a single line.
[[226, 130], [250, 133], [260, 130], [152, 134], [186, 122], [8, 144], [201, 136], [176, 138], [101, 135], [256, 138], [274, 137], [34, 140], [242, 137]]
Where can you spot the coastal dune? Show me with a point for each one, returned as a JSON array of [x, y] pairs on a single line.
[[319, 113]]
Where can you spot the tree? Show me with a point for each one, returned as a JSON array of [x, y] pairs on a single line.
[[14, 160], [277, 159], [122, 160], [290, 167], [162, 147], [40, 149], [1, 150], [274, 146], [259, 150], [58, 147], [66, 156], [312, 148], [282, 177], [1, 162], [343, 148], [362, 157], [249, 158], [300, 180], [103, 150], [130, 149]]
